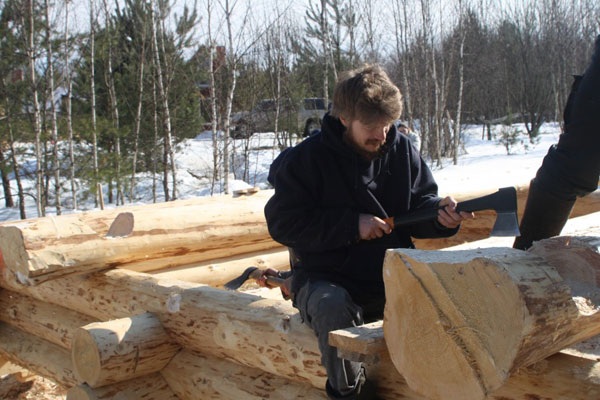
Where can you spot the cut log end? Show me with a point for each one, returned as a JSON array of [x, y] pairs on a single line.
[[85, 357]]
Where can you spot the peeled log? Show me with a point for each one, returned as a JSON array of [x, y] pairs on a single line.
[[219, 272], [263, 333], [44, 320], [457, 324], [181, 232], [119, 350], [194, 376], [149, 387], [37, 355]]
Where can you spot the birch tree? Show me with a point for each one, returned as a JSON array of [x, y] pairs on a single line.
[[31, 50], [69, 83], [52, 89], [164, 105], [93, 23]]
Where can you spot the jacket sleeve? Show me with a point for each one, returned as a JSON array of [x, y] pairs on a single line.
[[295, 216], [424, 191]]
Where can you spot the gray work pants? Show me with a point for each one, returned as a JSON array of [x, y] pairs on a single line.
[[325, 307]]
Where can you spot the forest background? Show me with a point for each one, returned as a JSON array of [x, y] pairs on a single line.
[[97, 92]]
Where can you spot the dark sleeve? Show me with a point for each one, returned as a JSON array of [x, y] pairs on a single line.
[[295, 216], [424, 191], [572, 167]]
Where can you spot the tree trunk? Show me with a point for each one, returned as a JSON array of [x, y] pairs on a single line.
[[192, 231], [104, 353], [110, 84], [37, 355], [164, 103], [149, 387], [54, 128], [476, 317], [69, 81], [193, 376], [37, 125], [16, 169], [97, 198], [8, 200], [138, 119], [44, 320]]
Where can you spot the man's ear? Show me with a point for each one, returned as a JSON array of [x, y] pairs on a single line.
[[344, 121]]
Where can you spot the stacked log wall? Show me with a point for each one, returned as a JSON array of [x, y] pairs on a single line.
[[221, 332]]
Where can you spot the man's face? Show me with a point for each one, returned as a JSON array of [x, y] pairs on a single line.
[[366, 139]]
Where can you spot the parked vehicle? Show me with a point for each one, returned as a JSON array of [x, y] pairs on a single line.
[[303, 117]]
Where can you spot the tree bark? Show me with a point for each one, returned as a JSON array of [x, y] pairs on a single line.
[[69, 81], [192, 231], [193, 376], [149, 387], [54, 127], [164, 103], [138, 117], [37, 125], [458, 324], [104, 353], [44, 320], [16, 169], [97, 198], [8, 200]]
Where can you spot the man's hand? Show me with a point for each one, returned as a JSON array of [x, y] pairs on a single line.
[[285, 288], [372, 227], [448, 216]]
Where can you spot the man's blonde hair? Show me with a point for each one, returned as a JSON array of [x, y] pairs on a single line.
[[367, 94]]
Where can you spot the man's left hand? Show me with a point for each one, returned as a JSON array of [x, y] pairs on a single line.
[[448, 217]]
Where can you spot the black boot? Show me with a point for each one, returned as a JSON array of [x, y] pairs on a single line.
[[544, 216]]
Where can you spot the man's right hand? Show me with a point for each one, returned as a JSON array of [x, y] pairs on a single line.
[[372, 227]]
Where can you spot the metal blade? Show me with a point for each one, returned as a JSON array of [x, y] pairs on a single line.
[[507, 224], [235, 284]]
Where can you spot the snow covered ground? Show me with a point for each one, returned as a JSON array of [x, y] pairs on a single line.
[[484, 166]]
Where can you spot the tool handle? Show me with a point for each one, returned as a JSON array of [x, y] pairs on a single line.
[[271, 280], [275, 281], [426, 214]]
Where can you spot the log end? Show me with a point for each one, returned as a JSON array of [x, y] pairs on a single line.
[[85, 357], [81, 392], [444, 307], [14, 254]]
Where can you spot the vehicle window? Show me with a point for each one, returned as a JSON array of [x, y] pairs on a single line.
[[266, 105], [314, 104]]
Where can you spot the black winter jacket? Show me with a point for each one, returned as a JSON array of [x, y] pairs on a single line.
[[321, 187]]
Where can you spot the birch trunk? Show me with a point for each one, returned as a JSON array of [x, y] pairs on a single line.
[[54, 126], [37, 125], [164, 103], [69, 80], [138, 118], [93, 97]]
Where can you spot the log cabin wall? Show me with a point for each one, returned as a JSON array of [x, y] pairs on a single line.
[[217, 344]]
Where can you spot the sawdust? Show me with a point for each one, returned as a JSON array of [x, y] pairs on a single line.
[[17, 383]]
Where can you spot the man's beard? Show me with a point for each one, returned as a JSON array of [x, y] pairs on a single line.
[[357, 147]]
